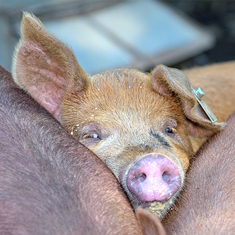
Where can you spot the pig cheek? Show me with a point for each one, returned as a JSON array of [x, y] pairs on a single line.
[[115, 164], [183, 159], [185, 163], [114, 159], [184, 150], [107, 152], [95, 148]]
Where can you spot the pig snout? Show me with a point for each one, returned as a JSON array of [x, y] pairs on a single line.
[[153, 178]]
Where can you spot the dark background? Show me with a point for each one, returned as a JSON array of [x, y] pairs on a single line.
[[219, 17]]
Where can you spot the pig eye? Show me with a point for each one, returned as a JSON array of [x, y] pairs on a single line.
[[90, 135], [170, 127], [170, 130]]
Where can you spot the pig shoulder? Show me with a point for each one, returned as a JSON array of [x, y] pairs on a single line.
[[206, 205]]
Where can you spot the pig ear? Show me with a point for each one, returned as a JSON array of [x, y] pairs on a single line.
[[172, 82], [149, 223], [45, 67]]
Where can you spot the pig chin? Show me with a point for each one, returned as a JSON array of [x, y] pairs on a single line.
[[153, 182], [158, 208]]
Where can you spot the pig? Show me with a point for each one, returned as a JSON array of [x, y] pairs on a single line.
[[145, 126], [206, 204], [150, 224], [49, 182]]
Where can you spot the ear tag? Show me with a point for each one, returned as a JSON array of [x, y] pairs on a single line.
[[199, 94]]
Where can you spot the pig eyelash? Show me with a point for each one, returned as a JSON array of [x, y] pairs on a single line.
[[91, 135]]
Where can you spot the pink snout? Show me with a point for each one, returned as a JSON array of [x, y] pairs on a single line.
[[153, 178]]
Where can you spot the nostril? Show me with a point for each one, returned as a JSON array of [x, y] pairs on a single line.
[[166, 177], [142, 177]]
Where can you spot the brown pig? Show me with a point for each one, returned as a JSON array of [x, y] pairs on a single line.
[[206, 204], [49, 183], [145, 127]]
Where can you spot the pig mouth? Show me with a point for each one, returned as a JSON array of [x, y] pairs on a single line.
[[157, 208]]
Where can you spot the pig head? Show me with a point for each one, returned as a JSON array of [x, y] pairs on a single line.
[[143, 126]]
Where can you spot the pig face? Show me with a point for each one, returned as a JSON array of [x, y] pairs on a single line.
[[139, 134], [143, 126]]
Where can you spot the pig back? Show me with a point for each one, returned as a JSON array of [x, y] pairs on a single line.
[[218, 83], [49, 183], [206, 205]]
